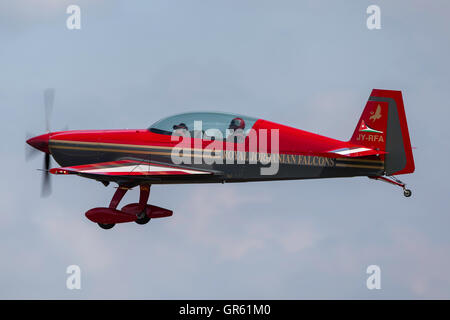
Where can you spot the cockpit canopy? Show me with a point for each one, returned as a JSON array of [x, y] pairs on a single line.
[[211, 121]]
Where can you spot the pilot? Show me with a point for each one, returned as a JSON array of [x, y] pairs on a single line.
[[237, 126], [180, 129], [237, 123], [180, 126]]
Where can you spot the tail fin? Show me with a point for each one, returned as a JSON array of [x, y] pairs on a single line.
[[383, 126]]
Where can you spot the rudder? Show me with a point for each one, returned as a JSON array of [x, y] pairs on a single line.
[[383, 126]]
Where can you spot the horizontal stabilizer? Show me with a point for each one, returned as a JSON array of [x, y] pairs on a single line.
[[353, 152]]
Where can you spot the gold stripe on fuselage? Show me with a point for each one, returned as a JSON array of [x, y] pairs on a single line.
[[54, 145], [139, 146], [129, 151], [360, 160], [345, 165]]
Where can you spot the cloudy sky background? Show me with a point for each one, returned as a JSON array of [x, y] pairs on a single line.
[[308, 64]]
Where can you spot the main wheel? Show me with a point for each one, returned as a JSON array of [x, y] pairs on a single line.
[[142, 218], [407, 193], [106, 226]]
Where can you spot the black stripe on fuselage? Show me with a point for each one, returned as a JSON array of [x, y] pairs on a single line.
[[70, 153]]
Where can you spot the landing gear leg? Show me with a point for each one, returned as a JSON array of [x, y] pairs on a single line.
[[118, 195], [393, 180], [142, 217]]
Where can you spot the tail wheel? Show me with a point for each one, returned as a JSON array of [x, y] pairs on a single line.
[[106, 226]]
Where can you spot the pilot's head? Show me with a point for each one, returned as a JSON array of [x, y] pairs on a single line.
[[237, 123], [180, 126]]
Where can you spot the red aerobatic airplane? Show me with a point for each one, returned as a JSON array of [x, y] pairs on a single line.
[[177, 150]]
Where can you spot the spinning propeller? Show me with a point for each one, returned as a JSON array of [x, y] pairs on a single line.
[[40, 143]]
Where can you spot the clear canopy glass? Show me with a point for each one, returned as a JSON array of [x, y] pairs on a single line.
[[208, 120]]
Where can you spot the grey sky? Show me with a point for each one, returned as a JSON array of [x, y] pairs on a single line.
[[308, 64]]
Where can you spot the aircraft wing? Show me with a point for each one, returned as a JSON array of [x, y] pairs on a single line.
[[129, 168]]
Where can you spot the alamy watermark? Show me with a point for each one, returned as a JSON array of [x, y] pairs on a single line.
[[374, 20], [230, 149], [73, 22], [74, 279], [374, 280]]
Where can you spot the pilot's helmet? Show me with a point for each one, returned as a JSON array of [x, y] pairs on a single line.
[[237, 123]]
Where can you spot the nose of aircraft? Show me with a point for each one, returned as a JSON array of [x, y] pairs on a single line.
[[40, 142]]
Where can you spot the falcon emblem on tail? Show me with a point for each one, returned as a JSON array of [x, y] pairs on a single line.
[[377, 115]]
